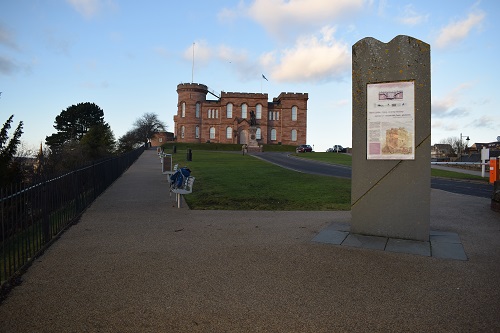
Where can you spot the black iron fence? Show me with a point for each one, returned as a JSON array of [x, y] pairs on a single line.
[[33, 216]]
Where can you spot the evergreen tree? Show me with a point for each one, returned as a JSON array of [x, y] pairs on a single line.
[[9, 171]]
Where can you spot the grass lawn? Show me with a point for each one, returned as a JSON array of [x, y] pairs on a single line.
[[231, 181], [227, 180]]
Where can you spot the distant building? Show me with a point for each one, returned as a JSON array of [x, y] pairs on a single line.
[[160, 138], [227, 118], [441, 152], [473, 153]]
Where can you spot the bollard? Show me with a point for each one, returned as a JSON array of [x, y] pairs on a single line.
[[174, 149], [189, 156], [494, 170]]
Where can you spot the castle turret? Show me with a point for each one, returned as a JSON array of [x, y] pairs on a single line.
[[188, 117]]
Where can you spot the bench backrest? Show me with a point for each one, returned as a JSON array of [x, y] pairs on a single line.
[[188, 184]]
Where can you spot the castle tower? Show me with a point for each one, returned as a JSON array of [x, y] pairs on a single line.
[[188, 119]]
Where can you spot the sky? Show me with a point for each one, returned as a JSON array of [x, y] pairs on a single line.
[[129, 56]]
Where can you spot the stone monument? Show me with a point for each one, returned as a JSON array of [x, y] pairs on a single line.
[[253, 145], [391, 133]]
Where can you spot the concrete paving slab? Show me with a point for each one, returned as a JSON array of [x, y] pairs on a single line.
[[444, 237], [408, 246], [366, 242], [448, 251], [331, 236]]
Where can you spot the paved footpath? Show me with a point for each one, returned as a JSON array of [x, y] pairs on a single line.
[[136, 263]]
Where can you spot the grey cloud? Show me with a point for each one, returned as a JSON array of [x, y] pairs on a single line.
[[7, 66], [440, 111], [7, 38]]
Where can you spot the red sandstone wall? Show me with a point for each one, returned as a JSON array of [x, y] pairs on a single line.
[[192, 93]]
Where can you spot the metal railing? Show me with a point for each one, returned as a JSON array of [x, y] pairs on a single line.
[[32, 217]]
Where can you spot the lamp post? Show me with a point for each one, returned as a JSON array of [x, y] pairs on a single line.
[[466, 144]]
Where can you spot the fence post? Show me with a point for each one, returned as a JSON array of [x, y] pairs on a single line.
[[46, 213]]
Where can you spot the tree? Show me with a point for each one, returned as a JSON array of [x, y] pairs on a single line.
[[129, 141], [455, 143], [98, 142], [148, 125], [9, 171], [72, 124]]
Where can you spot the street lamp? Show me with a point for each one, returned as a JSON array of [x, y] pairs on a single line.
[[466, 144]]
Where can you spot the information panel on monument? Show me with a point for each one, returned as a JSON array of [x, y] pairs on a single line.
[[390, 121]]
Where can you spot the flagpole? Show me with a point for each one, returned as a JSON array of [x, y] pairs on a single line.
[[192, 67]]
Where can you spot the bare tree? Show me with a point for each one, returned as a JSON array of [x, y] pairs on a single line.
[[455, 143], [148, 125]]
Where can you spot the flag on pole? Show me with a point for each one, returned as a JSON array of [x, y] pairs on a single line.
[[265, 78]]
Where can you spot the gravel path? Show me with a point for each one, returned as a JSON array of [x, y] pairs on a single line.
[[135, 263]]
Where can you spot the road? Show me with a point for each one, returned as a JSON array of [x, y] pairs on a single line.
[[478, 189]]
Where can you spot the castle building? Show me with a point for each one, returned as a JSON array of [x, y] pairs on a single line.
[[228, 118]]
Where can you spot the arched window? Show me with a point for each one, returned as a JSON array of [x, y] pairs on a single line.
[[183, 109], [229, 110], [212, 133], [244, 111], [294, 135], [258, 134], [183, 129], [197, 132], [258, 111], [294, 113], [273, 134], [229, 133], [213, 113], [198, 106]]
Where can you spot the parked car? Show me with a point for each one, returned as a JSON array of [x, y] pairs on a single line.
[[337, 149], [304, 149]]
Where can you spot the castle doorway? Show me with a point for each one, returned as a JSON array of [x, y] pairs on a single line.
[[243, 137]]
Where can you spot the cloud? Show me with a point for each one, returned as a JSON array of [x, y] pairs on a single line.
[[90, 8], [313, 58], [8, 66], [489, 122], [57, 43], [459, 30], [445, 125], [446, 107], [280, 17], [201, 51], [411, 17], [7, 38]]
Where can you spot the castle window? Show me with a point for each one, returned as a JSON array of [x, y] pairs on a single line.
[[183, 109], [294, 113], [229, 110], [294, 135], [198, 110], [197, 132], [273, 134], [258, 111], [244, 111], [274, 115], [182, 131], [213, 113], [212, 133], [258, 134], [229, 133]]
